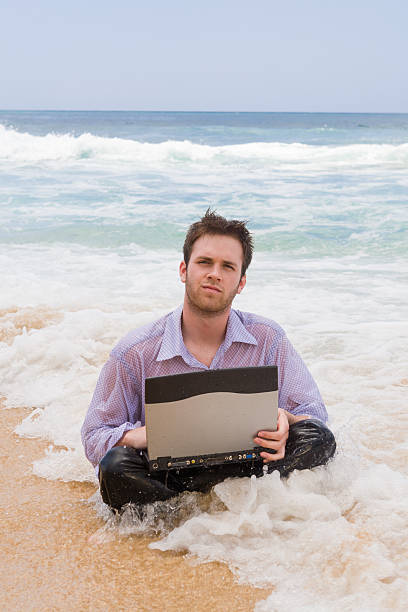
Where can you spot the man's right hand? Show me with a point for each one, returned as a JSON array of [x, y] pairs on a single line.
[[134, 437]]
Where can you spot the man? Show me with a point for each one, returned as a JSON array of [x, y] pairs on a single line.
[[205, 333]]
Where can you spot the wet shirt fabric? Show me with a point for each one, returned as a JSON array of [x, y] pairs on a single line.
[[157, 349]]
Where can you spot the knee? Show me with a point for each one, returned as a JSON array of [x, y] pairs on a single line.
[[313, 433], [325, 437], [117, 460], [111, 462]]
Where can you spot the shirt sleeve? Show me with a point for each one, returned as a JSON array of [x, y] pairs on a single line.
[[298, 392], [113, 410]]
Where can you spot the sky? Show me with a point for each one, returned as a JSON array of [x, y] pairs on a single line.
[[205, 55]]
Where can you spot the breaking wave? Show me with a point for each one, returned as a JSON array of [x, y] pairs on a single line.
[[25, 148]]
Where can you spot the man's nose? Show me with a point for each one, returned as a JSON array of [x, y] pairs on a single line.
[[215, 272]]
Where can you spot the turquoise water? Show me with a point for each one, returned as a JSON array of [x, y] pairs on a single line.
[[310, 184]]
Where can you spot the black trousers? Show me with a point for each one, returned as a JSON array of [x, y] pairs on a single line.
[[124, 474]]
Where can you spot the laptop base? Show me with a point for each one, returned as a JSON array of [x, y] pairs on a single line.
[[177, 463]]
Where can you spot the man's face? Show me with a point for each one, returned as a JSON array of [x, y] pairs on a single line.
[[213, 276]]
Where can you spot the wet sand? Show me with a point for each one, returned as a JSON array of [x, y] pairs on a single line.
[[48, 562]]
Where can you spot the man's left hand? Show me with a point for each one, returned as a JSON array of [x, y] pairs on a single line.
[[275, 440]]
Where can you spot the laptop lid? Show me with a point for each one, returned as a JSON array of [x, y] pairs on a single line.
[[209, 412]]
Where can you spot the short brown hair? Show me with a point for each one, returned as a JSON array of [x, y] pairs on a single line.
[[212, 223]]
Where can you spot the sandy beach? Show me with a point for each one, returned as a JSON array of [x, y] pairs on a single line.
[[53, 558]]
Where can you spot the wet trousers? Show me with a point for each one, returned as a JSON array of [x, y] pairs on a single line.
[[124, 473]]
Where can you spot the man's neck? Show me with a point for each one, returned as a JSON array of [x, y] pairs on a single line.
[[203, 333]]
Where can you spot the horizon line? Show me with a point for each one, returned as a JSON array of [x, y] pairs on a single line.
[[128, 110]]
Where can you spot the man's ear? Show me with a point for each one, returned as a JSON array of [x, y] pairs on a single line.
[[183, 271], [242, 283]]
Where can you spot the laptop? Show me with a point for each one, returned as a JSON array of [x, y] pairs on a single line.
[[209, 417]]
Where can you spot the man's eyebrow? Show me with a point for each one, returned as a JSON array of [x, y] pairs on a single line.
[[224, 261]]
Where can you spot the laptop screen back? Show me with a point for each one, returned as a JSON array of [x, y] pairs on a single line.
[[209, 412]]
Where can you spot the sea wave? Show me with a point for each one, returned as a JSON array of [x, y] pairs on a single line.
[[26, 148]]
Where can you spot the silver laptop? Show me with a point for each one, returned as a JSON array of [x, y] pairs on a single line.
[[209, 417]]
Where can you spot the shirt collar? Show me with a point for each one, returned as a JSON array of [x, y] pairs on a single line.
[[173, 345], [237, 332], [172, 342]]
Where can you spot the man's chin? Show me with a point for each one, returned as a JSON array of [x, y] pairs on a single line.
[[208, 307]]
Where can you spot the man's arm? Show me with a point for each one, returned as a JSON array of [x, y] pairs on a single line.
[[299, 395], [299, 399], [114, 411]]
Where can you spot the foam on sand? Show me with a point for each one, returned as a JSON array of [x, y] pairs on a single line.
[[318, 537]]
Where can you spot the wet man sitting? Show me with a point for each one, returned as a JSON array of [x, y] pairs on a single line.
[[203, 333]]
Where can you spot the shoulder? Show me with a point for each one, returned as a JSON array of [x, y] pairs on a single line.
[[146, 335], [260, 327]]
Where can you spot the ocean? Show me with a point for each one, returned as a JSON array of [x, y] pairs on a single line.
[[94, 208]]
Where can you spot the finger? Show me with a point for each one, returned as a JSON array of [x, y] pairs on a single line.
[[281, 431], [267, 457], [283, 422], [272, 435], [271, 443]]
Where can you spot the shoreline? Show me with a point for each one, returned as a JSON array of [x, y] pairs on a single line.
[[54, 560]]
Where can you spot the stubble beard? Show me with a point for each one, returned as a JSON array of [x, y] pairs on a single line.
[[208, 308]]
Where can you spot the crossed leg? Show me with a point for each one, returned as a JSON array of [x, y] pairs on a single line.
[[124, 473]]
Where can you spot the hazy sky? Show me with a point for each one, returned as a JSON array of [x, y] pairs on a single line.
[[253, 55]]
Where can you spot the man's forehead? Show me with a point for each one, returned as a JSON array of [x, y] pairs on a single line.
[[227, 247]]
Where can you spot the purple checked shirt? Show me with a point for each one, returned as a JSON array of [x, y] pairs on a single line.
[[158, 349]]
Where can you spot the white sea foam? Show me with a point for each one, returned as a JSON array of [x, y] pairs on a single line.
[[62, 148], [318, 539]]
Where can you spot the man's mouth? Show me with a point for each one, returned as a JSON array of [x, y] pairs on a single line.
[[212, 288]]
